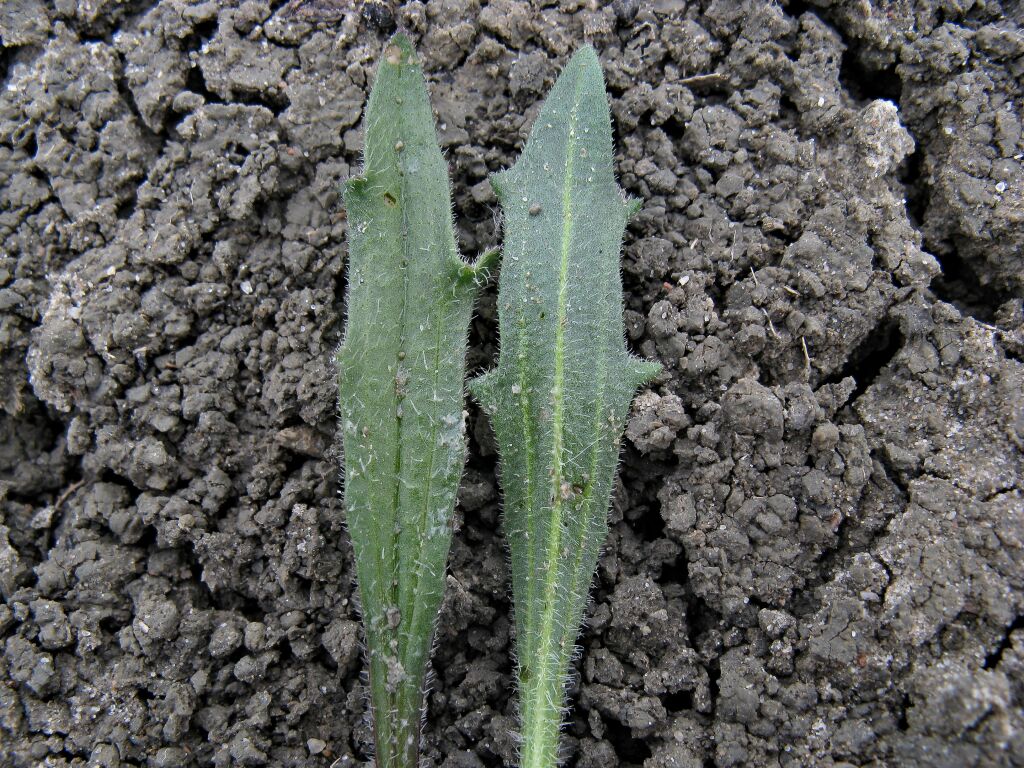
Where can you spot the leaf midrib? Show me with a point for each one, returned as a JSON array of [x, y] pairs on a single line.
[[544, 652]]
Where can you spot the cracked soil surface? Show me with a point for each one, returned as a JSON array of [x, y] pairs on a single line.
[[816, 549]]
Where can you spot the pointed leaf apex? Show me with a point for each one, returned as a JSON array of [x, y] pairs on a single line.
[[484, 389], [585, 65], [485, 264], [399, 51], [586, 55]]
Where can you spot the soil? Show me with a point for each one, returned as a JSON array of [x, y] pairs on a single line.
[[816, 549]]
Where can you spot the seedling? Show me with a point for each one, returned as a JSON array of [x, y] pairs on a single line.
[[560, 394], [400, 384]]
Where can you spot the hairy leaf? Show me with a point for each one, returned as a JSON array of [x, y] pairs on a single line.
[[401, 369], [560, 394]]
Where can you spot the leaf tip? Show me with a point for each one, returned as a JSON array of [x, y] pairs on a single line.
[[586, 56], [643, 371], [483, 388], [485, 264], [399, 50]]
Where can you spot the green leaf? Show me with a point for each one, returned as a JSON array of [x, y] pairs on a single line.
[[561, 392], [400, 382]]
